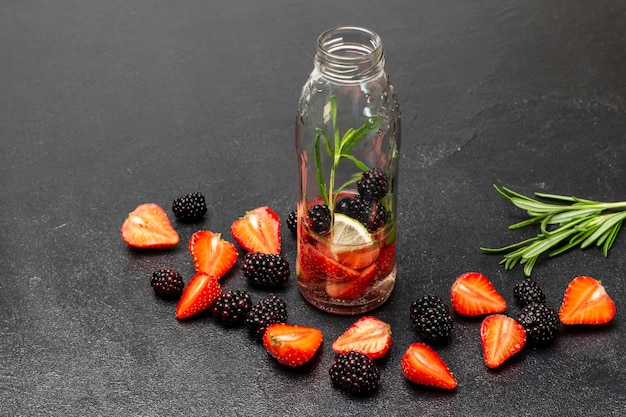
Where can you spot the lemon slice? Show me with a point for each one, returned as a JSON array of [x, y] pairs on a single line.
[[348, 232]]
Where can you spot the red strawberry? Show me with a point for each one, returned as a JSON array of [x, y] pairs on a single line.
[[316, 265], [199, 295], [211, 254], [368, 335], [149, 227], [422, 365], [292, 345], [586, 302], [386, 259], [472, 294], [352, 289], [501, 337], [258, 231]]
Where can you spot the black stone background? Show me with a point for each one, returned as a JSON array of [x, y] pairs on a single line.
[[106, 105]]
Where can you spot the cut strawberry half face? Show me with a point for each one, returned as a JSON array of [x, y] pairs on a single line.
[[211, 254], [258, 231], [355, 288], [149, 227], [422, 365], [586, 302], [472, 294], [198, 296], [501, 337], [368, 335]]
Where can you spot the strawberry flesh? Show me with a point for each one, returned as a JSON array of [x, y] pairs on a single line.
[[211, 254], [501, 337], [199, 295], [422, 365], [258, 231], [472, 294], [319, 267], [292, 345], [586, 302], [368, 335], [149, 227], [352, 289]]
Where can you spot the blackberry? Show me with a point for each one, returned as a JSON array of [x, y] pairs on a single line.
[[265, 270], [343, 206], [373, 184], [268, 311], [319, 218], [372, 214], [431, 318], [167, 283], [189, 207], [541, 323], [355, 373], [292, 222], [232, 307], [528, 291]]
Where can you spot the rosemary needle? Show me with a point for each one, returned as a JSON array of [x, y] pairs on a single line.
[[564, 223]]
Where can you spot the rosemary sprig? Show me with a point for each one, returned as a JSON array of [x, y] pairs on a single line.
[[564, 223], [338, 148]]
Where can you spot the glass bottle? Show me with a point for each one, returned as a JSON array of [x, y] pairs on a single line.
[[347, 140]]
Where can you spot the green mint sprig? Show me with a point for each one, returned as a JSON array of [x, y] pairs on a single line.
[[565, 223], [338, 148]]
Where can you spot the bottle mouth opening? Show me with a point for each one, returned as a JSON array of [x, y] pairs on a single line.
[[349, 52]]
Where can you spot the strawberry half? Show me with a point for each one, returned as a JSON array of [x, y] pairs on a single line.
[[149, 227], [501, 337], [472, 294], [320, 267], [199, 295], [211, 254], [586, 302], [368, 335], [292, 345], [352, 289], [422, 365], [258, 231]]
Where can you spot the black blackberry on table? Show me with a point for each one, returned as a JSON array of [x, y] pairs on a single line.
[[541, 323], [318, 218], [292, 222], [355, 373], [373, 184], [265, 270], [190, 207], [167, 283], [269, 310], [431, 318], [528, 291], [232, 307]]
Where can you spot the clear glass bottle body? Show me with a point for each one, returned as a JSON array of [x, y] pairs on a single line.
[[347, 141]]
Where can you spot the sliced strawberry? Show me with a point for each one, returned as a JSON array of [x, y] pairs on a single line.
[[211, 254], [501, 337], [149, 227], [586, 302], [199, 295], [316, 266], [386, 260], [368, 335], [472, 294], [422, 365], [352, 289], [292, 345], [258, 231]]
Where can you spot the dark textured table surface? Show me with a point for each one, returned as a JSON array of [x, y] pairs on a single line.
[[106, 105]]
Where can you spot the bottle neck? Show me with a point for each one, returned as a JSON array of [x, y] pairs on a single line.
[[349, 54]]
